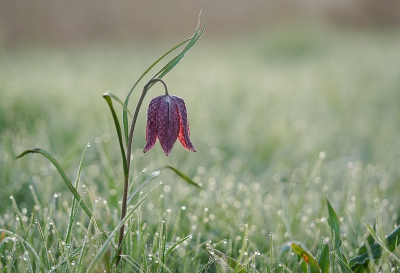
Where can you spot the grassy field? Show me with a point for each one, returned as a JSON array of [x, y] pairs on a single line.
[[282, 122]]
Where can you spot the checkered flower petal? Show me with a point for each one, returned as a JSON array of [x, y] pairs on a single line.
[[184, 131], [167, 121]]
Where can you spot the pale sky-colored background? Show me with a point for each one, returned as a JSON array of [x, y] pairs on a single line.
[[75, 22]]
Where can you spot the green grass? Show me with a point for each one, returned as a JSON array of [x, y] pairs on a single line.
[[281, 121]]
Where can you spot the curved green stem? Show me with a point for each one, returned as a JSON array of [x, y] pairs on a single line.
[[148, 85]]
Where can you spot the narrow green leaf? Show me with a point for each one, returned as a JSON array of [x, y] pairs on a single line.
[[103, 248], [183, 176], [107, 97], [333, 222], [151, 177], [244, 244], [178, 243], [134, 265], [122, 243], [307, 257], [323, 260], [343, 265], [115, 97], [79, 198]]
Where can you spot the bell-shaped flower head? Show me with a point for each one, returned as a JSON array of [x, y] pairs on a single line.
[[167, 120]]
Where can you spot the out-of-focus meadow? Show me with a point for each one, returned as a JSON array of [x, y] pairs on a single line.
[[284, 111]]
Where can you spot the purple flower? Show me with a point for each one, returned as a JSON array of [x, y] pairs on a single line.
[[167, 120]]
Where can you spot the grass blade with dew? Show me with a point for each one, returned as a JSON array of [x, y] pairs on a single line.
[[26, 243], [244, 244], [134, 265], [103, 248], [73, 210], [69, 184], [178, 243], [228, 263], [46, 254], [323, 260], [16, 209], [333, 222], [343, 265], [117, 251], [107, 97]]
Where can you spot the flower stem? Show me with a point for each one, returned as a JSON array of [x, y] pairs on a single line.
[[148, 85]]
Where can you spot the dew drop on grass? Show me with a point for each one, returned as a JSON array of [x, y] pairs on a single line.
[[183, 208], [144, 170], [88, 145], [11, 197]]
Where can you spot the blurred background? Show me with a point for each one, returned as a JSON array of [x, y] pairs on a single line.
[[77, 22]]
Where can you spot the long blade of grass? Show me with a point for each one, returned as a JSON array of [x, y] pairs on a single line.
[[333, 222], [69, 185], [117, 251], [135, 266], [178, 243], [107, 97], [343, 265], [183, 176], [103, 248], [73, 210], [244, 244], [323, 260], [115, 97]]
